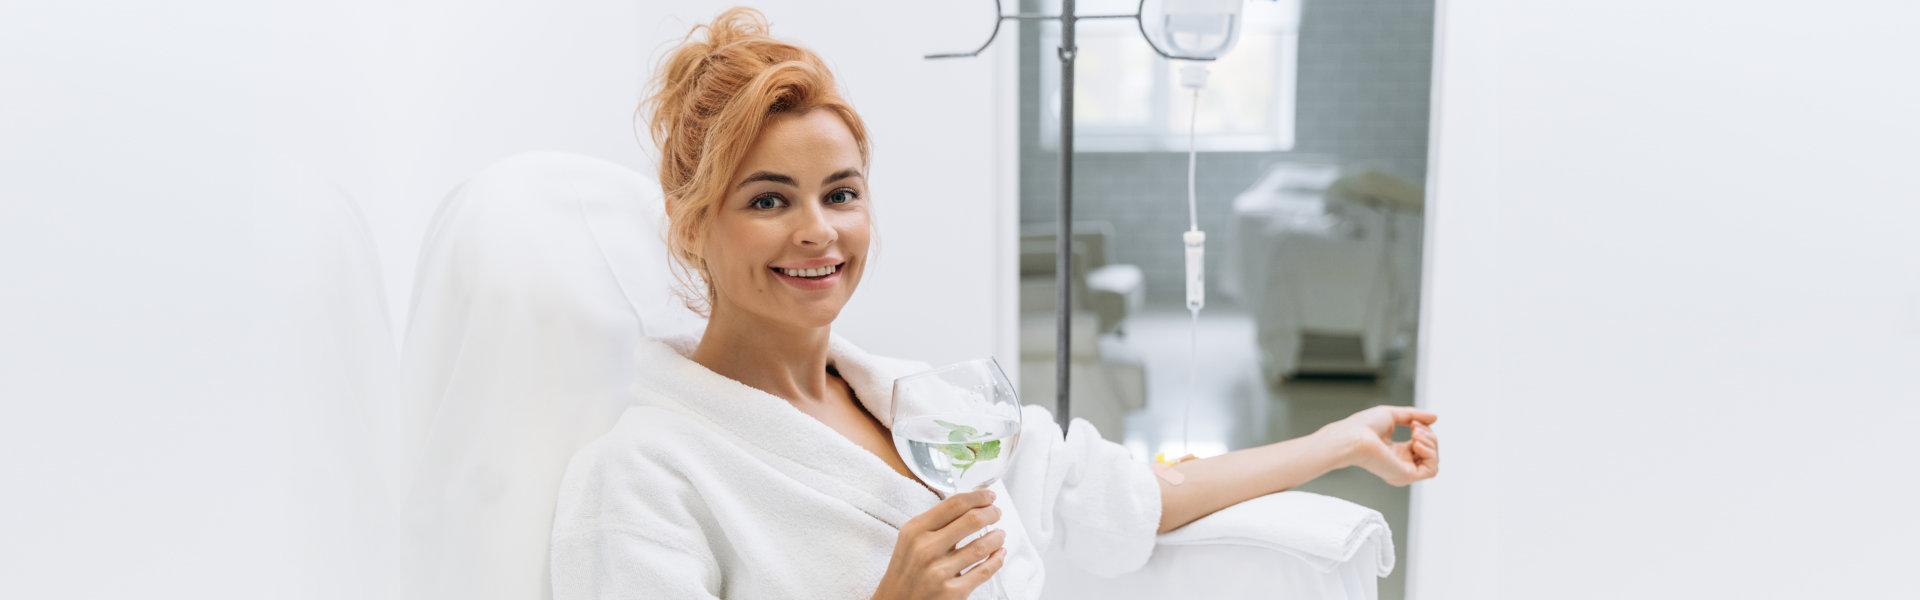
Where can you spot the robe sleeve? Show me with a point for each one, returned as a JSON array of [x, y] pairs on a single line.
[[1082, 498], [628, 527]]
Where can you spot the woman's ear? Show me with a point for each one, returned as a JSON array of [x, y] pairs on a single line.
[[686, 240]]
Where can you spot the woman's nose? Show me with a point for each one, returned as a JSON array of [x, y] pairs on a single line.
[[814, 229]]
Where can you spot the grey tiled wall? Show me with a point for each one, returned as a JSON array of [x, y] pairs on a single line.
[[1364, 81], [1365, 72]]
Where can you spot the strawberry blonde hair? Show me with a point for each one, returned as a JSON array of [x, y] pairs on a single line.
[[705, 107]]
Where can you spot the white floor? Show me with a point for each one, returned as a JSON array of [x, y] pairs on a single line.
[[1234, 409]]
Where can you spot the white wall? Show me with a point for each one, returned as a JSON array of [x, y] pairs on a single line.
[[1674, 301], [163, 435]]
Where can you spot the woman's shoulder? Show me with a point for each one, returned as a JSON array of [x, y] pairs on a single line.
[[645, 438], [637, 478], [885, 367]]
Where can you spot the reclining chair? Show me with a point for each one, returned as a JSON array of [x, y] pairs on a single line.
[[538, 278]]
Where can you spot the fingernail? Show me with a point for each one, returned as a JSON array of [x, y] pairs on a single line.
[[990, 496]]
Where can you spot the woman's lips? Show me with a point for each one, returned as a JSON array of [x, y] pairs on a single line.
[[814, 284]]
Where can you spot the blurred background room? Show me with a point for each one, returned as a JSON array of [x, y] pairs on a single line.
[[1312, 292]]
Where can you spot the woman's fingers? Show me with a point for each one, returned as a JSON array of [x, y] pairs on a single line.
[[1407, 415], [1427, 449], [925, 563], [979, 575], [944, 513], [967, 524], [975, 551]]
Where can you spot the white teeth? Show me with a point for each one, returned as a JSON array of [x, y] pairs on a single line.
[[826, 270]]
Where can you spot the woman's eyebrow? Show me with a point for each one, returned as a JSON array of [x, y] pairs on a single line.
[[766, 176], [783, 179], [841, 174]]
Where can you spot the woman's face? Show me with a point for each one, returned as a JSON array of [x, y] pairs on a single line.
[[789, 243]]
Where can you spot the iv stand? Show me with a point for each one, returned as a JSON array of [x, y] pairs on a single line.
[[1063, 268]]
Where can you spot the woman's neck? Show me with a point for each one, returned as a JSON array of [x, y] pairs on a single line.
[[775, 358]]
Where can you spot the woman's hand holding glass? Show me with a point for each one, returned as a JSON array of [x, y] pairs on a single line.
[[925, 562], [957, 428]]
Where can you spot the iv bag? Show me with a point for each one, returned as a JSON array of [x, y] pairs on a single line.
[[1200, 28]]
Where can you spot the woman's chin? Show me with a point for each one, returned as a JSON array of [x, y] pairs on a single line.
[[819, 317], [811, 315]]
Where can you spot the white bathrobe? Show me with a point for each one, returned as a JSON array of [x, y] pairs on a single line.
[[707, 488]]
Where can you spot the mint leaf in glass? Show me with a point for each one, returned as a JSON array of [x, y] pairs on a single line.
[[988, 451], [959, 452], [957, 432]]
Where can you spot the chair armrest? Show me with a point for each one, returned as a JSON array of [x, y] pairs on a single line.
[[1285, 545], [1322, 530], [1218, 572]]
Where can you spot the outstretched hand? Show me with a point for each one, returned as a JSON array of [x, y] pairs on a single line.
[[1368, 435]]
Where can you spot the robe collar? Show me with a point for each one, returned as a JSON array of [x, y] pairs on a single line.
[[792, 441]]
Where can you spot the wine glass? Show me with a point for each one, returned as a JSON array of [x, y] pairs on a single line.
[[957, 427]]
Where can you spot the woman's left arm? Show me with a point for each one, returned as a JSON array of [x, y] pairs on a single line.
[[1364, 440]]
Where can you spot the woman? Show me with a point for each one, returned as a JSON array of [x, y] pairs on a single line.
[[755, 462]]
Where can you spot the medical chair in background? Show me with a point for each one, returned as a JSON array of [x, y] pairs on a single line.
[[1326, 260], [1109, 377], [1109, 290], [538, 278]]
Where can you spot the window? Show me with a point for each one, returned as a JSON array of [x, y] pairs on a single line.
[[1128, 98]]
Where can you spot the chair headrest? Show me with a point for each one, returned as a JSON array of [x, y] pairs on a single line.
[[538, 279]]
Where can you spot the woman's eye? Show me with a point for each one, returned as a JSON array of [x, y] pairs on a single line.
[[766, 202], [841, 197]]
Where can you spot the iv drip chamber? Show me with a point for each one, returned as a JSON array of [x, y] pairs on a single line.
[[1196, 242]]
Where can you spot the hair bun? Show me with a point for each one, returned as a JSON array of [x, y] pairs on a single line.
[[735, 24]]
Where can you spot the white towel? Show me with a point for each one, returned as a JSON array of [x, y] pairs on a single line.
[[1324, 531]]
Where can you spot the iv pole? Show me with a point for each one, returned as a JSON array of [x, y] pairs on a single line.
[[1063, 267]]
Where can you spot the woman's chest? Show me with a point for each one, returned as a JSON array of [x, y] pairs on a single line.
[[844, 414]]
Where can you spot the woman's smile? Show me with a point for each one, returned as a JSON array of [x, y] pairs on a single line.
[[810, 278]]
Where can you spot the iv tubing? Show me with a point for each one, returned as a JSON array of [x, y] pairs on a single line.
[[1193, 220], [1193, 154]]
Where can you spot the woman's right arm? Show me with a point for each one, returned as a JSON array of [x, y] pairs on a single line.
[[1363, 440], [925, 563]]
